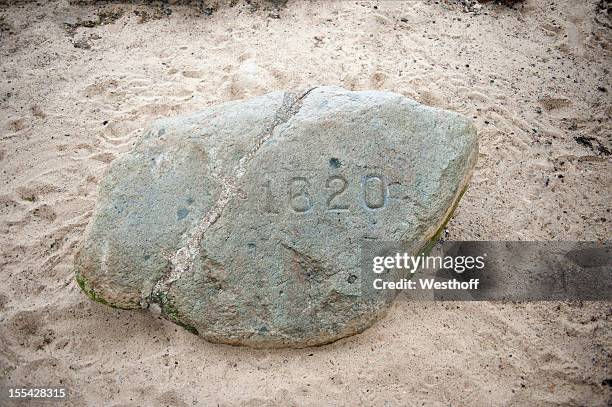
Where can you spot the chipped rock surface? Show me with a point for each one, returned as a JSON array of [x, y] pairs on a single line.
[[243, 222]]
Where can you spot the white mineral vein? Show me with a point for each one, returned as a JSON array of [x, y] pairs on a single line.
[[182, 261]]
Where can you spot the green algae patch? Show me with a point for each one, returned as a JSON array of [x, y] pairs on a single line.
[[170, 312], [91, 293]]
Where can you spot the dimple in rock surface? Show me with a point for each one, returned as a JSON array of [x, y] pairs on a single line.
[[244, 221]]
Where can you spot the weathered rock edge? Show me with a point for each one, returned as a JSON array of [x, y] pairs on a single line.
[[183, 259]]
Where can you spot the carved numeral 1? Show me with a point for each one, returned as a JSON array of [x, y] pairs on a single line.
[[269, 199]]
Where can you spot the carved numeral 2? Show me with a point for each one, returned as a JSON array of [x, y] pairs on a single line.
[[338, 185]]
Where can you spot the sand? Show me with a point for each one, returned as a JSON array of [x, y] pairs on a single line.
[[75, 96]]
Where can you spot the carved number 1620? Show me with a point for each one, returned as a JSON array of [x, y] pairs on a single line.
[[301, 194]]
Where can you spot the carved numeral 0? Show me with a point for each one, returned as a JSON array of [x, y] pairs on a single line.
[[374, 192]]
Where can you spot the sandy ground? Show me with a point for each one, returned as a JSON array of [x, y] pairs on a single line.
[[74, 95]]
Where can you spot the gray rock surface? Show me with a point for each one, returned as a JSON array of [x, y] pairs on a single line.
[[243, 222]]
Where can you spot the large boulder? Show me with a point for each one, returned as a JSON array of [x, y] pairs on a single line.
[[244, 222]]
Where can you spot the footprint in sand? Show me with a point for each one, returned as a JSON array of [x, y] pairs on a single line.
[[106, 157], [16, 124], [555, 103], [250, 80], [551, 29], [44, 212], [33, 192], [193, 74], [378, 79], [28, 329]]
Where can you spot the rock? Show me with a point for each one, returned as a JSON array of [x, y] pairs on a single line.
[[249, 80], [243, 222]]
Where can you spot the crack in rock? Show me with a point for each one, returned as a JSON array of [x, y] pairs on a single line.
[[182, 261]]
